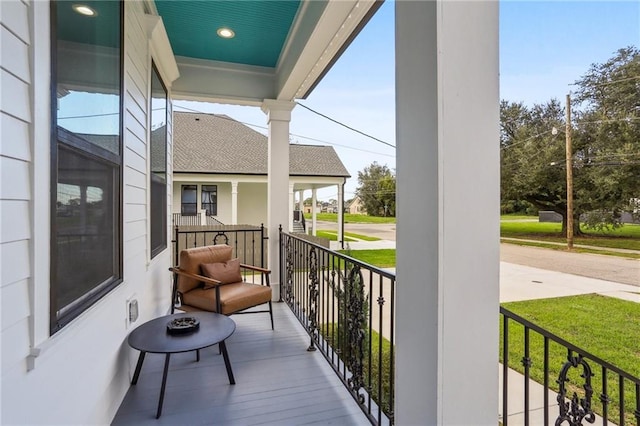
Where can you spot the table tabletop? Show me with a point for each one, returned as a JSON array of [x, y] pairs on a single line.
[[153, 337]]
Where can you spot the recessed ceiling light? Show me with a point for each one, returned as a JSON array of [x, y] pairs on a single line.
[[226, 32], [85, 10]]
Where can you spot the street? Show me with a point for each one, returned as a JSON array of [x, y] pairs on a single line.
[[609, 268]]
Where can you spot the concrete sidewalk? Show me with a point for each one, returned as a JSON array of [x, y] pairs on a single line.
[[518, 282]]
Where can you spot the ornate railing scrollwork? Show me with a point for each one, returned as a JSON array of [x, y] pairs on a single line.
[[576, 409], [222, 235], [288, 288], [313, 297], [355, 333]]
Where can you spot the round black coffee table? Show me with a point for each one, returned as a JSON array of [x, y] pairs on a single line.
[[153, 337]]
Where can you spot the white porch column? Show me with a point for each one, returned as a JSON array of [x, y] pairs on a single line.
[[447, 120], [314, 201], [292, 206], [278, 117], [234, 202], [340, 212]]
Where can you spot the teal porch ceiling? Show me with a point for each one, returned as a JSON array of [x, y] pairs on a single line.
[[261, 28]]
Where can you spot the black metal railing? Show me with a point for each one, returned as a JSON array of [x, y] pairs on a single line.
[[194, 220], [571, 374], [348, 309], [248, 242]]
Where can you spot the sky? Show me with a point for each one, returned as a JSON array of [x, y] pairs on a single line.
[[544, 48]]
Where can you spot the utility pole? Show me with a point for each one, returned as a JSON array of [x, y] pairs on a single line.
[[569, 158]]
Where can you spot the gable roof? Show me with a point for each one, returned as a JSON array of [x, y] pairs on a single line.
[[209, 143]]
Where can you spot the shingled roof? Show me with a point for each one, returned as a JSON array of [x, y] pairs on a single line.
[[208, 143]]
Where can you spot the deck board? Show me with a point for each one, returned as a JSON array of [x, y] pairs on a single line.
[[277, 382]]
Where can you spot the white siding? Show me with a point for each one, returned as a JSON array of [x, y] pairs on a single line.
[[15, 183], [80, 374]]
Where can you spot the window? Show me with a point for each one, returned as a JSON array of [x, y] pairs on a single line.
[[86, 211], [158, 154], [189, 200], [210, 199]]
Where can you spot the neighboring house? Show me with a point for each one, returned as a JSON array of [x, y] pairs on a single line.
[[220, 165], [355, 206], [85, 230]]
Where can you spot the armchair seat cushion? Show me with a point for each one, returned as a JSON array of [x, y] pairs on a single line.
[[234, 297]]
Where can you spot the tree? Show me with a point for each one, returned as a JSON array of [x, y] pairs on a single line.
[[606, 146], [377, 190]]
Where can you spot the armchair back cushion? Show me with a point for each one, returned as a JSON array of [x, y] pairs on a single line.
[[192, 259], [226, 272]]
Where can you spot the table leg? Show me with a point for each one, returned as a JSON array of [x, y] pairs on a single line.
[[136, 374], [164, 385], [223, 348]]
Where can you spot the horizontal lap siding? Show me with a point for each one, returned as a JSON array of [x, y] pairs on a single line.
[[15, 184]]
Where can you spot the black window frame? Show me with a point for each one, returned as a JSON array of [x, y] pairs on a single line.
[[80, 146], [182, 203], [214, 204], [158, 211]]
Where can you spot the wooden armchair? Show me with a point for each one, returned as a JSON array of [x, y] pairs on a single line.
[[208, 279]]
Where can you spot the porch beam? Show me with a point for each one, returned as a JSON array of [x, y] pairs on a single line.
[[447, 151], [278, 203]]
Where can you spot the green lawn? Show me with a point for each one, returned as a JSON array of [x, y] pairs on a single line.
[[373, 357], [608, 328], [349, 236], [625, 237], [351, 218], [382, 258], [332, 235], [513, 216]]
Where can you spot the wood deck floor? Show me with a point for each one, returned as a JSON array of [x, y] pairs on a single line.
[[277, 382]]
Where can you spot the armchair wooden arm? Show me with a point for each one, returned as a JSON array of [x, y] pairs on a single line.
[[255, 268], [213, 282]]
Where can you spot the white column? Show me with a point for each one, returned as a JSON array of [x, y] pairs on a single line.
[[234, 202], [340, 211], [292, 206], [314, 212], [278, 117], [447, 122]]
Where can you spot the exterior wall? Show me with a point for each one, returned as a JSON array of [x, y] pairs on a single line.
[[80, 374], [252, 193], [252, 203]]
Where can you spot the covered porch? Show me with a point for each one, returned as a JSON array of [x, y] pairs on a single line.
[[277, 382]]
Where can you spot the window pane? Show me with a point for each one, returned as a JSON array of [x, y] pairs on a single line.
[[85, 222], [88, 73], [158, 164], [210, 199], [86, 242], [189, 200]]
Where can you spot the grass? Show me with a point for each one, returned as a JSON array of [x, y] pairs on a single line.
[[351, 218], [608, 328], [382, 258], [349, 236], [575, 249], [513, 216], [625, 237], [373, 381], [332, 236]]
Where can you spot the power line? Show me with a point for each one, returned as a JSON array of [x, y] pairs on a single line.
[[292, 134], [346, 126]]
